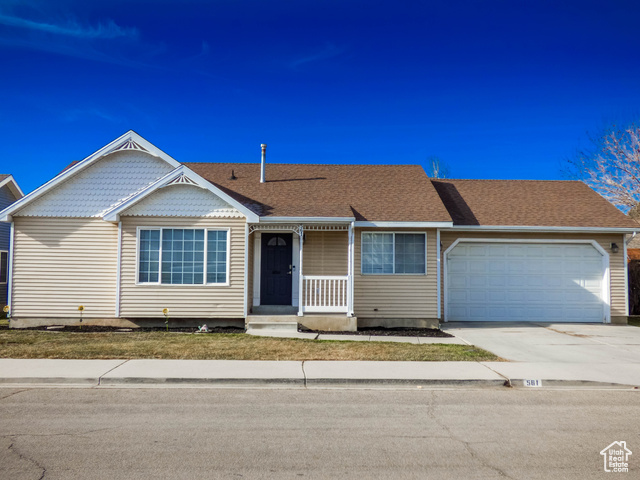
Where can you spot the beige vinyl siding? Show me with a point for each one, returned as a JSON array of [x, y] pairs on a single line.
[[325, 253], [183, 301], [616, 260], [61, 263], [396, 296]]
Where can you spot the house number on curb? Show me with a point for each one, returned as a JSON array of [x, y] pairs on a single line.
[[533, 383]]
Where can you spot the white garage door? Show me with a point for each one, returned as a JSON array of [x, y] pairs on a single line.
[[525, 282]]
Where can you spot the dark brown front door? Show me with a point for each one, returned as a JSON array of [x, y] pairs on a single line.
[[275, 276]]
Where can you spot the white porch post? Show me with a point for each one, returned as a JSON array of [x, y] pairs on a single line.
[[350, 270], [300, 277]]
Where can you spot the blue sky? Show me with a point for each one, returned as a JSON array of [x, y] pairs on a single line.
[[496, 89]]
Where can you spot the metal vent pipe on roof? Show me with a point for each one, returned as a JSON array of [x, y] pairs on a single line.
[[264, 158]]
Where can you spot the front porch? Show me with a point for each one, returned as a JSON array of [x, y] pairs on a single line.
[[301, 273]]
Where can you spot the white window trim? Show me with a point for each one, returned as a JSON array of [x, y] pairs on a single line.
[[7, 252], [206, 242], [426, 239]]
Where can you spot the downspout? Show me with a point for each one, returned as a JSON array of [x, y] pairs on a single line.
[[246, 270], [438, 265], [118, 269], [10, 271]]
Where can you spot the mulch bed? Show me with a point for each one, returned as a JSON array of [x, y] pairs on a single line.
[[375, 331], [390, 332], [100, 329]]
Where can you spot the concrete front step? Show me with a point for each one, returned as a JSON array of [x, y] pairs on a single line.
[[273, 326], [314, 321]]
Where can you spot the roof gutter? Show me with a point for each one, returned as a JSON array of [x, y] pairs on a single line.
[[306, 219], [405, 224], [520, 228]]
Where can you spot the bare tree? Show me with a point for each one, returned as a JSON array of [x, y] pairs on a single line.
[[611, 166], [437, 168]]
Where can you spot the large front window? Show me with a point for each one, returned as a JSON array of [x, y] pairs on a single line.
[[183, 256], [393, 253]]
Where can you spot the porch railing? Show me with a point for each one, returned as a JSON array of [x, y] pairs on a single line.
[[323, 293]]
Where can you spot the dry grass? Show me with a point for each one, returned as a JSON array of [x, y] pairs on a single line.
[[134, 345]]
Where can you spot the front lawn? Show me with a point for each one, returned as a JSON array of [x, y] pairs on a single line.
[[635, 321], [219, 346]]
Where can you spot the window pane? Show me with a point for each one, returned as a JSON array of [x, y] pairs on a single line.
[[216, 256], [410, 253], [148, 256], [179, 255], [377, 253]]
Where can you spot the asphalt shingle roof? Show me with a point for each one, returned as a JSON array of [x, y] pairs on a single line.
[[528, 203], [396, 193]]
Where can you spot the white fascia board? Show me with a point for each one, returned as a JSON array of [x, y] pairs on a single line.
[[153, 149], [507, 228], [405, 224], [5, 215], [250, 215], [13, 186], [113, 214], [306, 219]]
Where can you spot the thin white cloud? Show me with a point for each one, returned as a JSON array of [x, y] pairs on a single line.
[[329, 51], [71, 28]]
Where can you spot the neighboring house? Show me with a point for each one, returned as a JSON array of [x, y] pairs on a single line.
[[129, 231], [9, 193]]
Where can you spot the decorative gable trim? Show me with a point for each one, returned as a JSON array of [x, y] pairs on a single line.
[[180, 176], [130, 145], [129, 141], [182, 180]]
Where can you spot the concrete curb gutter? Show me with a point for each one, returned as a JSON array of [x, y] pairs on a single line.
[[310, 374]]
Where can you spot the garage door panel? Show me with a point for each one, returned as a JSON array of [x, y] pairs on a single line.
[[525, 282]]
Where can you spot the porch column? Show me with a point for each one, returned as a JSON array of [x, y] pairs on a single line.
[[350, 270], [300, 278]]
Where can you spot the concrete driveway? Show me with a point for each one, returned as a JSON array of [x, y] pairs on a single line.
[[580, 343]]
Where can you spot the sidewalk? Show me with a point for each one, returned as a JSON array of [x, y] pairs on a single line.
[[358, 338], [310, 374]]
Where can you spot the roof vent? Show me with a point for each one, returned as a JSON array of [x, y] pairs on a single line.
[[233, 176], [264, 158]]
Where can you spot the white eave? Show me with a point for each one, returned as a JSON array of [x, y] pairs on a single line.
[[519, 228], [129, 138], [13, 186], [113, 215]]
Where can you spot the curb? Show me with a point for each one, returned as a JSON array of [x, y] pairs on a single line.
[[143, 382]]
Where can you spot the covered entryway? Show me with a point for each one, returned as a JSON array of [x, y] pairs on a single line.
[[488, 280]]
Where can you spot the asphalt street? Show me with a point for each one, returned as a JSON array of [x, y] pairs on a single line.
[[157, 433]]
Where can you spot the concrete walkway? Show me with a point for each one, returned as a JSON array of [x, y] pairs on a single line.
[[357, 338], [311, 374]]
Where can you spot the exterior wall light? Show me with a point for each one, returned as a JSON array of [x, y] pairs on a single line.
[[614, 248]]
